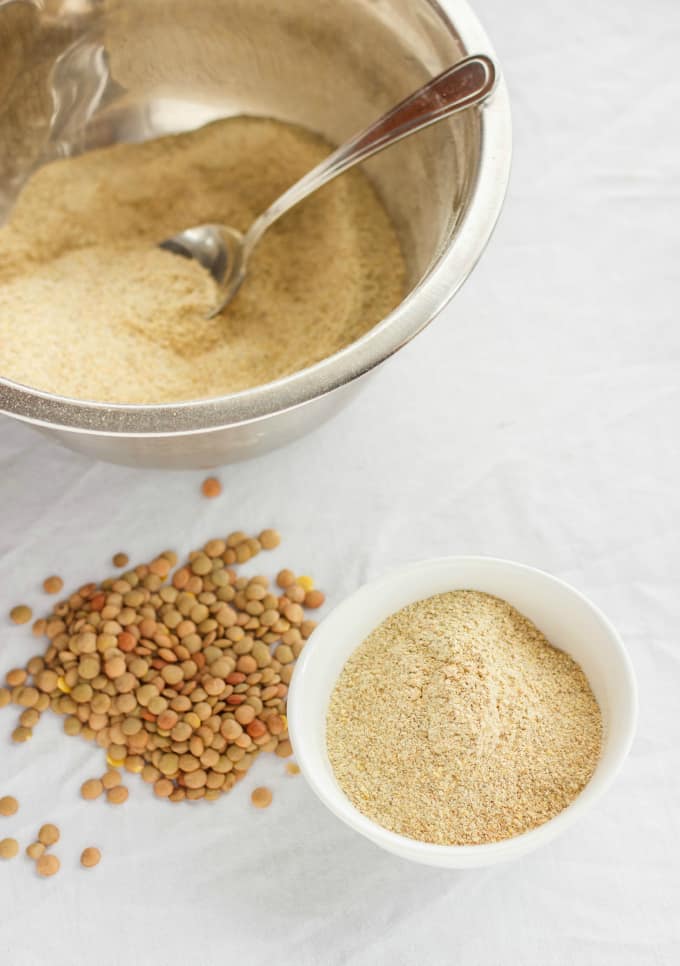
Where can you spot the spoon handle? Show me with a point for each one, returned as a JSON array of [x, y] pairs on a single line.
[[468, 82]]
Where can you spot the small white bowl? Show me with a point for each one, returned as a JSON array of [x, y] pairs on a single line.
[[565, 616]]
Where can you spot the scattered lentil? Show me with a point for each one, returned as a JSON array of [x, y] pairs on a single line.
[[8, 805], [261, 797], [22, 734], [35, 850], [16, 677], [457, 722], [91, 789], [28, 697], [48, 834], [8, 848], [52, 585], [48, 864], [29, 718], [211, 487], [90, 857], [120, 560], [292, 768], [117, 795], [269, 539], [21, 614], [111, 778]]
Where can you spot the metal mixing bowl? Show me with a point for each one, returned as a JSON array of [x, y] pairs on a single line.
[[77, 74]]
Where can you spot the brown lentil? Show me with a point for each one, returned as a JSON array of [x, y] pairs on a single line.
[[269, 539], [307, 627], [117, 795], [21, 734], [92, 789], [163, 787], [261, 797], [28, 697], [16, 677], [72, 726], [120, 560], [8, 848], [35, 850], [8, 805], [46, 681], [48, 834], [296, 594], [90, 857], [21, 614], [52, 585], [29, 718], [48, 864]]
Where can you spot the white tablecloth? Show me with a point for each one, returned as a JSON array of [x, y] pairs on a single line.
[[537, 419]]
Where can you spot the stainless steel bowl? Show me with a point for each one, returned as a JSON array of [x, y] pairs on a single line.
[[76, 74]]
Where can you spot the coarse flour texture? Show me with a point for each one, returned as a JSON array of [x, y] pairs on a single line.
[[457, 722], [91, 308]]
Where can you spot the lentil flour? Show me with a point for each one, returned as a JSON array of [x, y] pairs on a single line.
[[91, 308], [456, 722]]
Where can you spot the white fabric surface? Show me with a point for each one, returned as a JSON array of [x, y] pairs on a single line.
[[537, 419]]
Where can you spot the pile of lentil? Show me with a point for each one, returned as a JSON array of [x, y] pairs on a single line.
[[457, 722], [182, 677]]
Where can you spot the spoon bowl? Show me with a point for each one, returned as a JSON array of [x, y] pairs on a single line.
[[220, 250]]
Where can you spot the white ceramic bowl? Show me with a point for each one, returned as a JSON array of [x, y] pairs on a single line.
[[566, 617]]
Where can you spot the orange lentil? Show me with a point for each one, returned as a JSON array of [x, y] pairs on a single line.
[[314, 599], [211, 487]]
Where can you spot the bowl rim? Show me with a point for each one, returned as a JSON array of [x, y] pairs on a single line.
[[456, 856], [420, 306]]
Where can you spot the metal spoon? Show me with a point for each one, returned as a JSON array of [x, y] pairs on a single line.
[[224, 251]]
